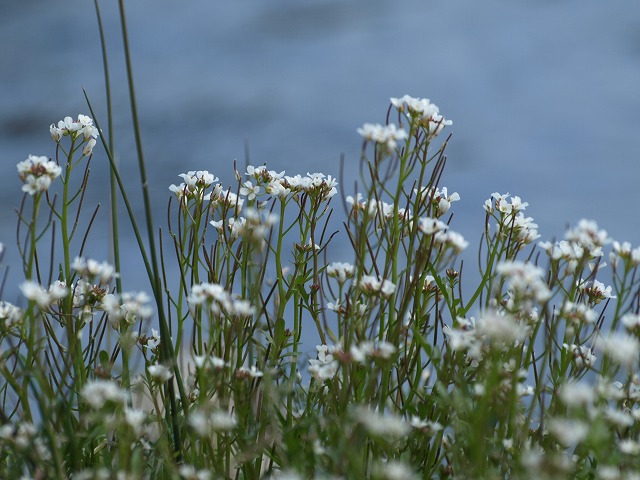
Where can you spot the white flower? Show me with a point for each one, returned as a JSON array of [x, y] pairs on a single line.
[[582, 356], [386, 135], [371, 284], [568, 432], [625, 251], [577, 394], [340, 270], [222, 421], [98, 392], [37, 173], [596, 291], [325, 367], [429, 226], [427, 113], [10, 315], [253, 372], [160, 373], [621, 348], [501, 328], [382, 425], [249, 190], [44, 297]]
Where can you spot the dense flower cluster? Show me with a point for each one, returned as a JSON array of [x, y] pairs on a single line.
[[82, 128], [37, 173]]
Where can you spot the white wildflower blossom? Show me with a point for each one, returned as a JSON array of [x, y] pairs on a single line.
[[98, 392], [194, 185], [135, 419], [37, 173], [582, 356], [619, 418], [222, 421], [631, 321], [219, 301], [577, 394], [501, 328], [10, 315], [621, 348], [500, 203], [325, 366], [430, 226], [525, 279], [372, 284], [160, 373], [103, 272], [382, 425], [341, 271], [226, 198], [427, 114], [44, 298], [626, 252], [596, 291], [253, 372], [128, 307], [82, 128], [629, 447], [568, 432], [440, 199], [588, 236], [250, 190], [578, 313], [452, 240], [369, 350], [385, 135]]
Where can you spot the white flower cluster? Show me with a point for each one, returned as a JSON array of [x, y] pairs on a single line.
[[369, 350], [373, 285], [129, 307], [194, 185], [219, 301], [204, 423], [427, 113], [625, 252], [92, 270], [44, 297], [10, 315], [37, 173], [382, 210], [582, 356], [24, 436], [493, 329], [511, 220], [225, 199], [441, 234], [584, 243], [83, 128], [325, 366], [341, 271], [620, 347], [253, 227], [439, 199], [98, 393], [160, 373], [595, 291], [385, 425], [526, 281], [387, 136]]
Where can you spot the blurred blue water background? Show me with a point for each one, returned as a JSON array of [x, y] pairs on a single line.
[[543, 94]]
